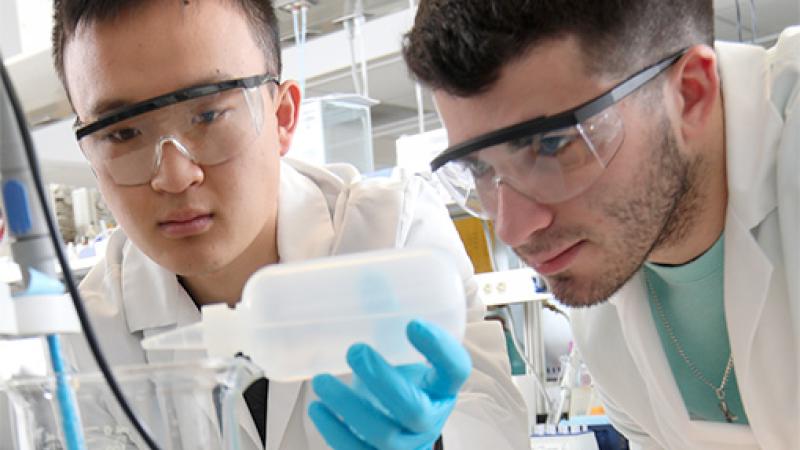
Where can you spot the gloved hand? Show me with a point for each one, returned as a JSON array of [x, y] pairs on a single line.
[[411, 403]]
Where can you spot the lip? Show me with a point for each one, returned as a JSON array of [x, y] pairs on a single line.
[[185, 223], [556, 261]]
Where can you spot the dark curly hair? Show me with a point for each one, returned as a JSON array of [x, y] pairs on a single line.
[[460, 46]]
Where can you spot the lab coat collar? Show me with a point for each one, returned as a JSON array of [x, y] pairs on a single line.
[[151, 295], [750, 154], [643, 341], [305, 211], [752, 189]]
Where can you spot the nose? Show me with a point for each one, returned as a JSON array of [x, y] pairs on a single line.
[[176, 170], [518, 216]]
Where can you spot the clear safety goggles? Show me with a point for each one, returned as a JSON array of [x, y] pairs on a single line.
[[548, 159], [209, 124]]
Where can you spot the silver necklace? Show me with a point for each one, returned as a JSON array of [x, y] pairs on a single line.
[[718, 391]]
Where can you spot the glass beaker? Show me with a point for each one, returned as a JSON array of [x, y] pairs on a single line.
[[185, 405]]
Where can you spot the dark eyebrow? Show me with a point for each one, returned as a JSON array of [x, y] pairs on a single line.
[[109, 106]]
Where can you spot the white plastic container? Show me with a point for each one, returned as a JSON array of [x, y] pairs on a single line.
[[298, 320]]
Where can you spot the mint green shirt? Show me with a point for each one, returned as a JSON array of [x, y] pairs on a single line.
[[691, 297]]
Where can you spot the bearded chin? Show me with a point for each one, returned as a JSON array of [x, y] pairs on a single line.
[[573, 292], [659, 214]]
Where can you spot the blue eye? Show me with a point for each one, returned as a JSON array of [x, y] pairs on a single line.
[[551, 145]]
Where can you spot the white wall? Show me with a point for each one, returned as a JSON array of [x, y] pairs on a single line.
[[60, 157], [25, 26], [10, 44]]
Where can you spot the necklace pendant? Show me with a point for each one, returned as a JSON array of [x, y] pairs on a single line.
[[729, 416]]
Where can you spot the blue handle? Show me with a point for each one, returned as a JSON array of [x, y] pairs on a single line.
[[71, 421], [18, 209]]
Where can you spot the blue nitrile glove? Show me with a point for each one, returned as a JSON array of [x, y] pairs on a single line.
[[414, 401]]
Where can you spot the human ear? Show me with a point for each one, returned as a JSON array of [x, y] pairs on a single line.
[[287, 98], [696, 89]]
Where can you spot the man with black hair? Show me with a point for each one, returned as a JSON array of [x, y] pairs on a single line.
[[651, 177], [185, 123]]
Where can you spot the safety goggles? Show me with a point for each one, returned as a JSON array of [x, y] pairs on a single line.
[[548, 159], [209, 124]]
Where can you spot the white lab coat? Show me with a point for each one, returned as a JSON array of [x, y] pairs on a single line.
[[619, 341], [321, 212]]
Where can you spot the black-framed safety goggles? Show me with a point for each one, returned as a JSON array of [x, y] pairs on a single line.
[[209, 124], [549, 158], [181, 95]]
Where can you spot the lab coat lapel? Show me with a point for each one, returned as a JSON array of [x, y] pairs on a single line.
[[648, 354], [250, 437], [747, 280], [151, 295], [281, 403], [753, 132], [154, 301], [750, 279]]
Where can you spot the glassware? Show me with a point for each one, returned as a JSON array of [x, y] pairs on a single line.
[[186, 405]]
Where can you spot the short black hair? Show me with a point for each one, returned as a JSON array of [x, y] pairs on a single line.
[[69, 14], [460, 46]]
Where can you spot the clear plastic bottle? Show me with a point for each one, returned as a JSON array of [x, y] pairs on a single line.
[[298, 320]]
